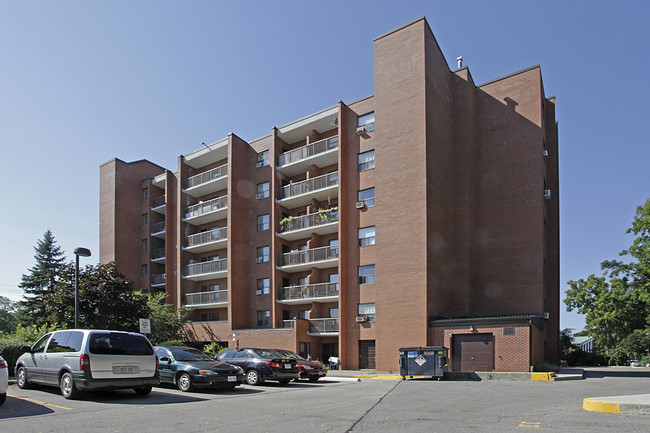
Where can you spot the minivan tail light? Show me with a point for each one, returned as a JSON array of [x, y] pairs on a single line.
[[157, 363], [3, 364], [84, 362]]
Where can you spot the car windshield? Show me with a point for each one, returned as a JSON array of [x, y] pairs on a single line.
[[290, 354], [188, 354]]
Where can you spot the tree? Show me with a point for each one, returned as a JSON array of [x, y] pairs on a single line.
[[41, 280], [617, 304], [8, 320], [166, 323]]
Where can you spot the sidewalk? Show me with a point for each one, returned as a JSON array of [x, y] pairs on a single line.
[[563, 374], [627, 404]]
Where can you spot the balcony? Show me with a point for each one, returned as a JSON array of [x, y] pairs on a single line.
[[208, 182], [320, 188], [206, 270], [158, 205], [158, 255], [298, 261], [324, 327], [158, 280], [216, 298], [323, 292], [158, 230], [205, 212], [207, 241], [321, 223], [322, 153]]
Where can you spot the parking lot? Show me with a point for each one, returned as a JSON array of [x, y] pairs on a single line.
[[339, 406]]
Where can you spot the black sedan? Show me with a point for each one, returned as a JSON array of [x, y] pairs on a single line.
[[261, 365], [188, 368]]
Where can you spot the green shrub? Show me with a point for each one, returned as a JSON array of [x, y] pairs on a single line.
[[213, 348], [172, 343], [10, 350], [546, 367]]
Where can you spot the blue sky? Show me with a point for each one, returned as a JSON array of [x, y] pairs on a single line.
[[82, 82]]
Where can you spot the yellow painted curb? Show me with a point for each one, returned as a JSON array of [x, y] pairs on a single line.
[[380, 376], [601, 406], [544, 377]]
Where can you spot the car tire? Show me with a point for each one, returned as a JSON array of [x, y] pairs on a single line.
[[142, 390], [68, 388], [3, 397], [21, 378], [184, 382], [253, 377], [314, 379], [284, 381]]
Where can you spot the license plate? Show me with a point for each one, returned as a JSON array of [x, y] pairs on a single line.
[[232, 378], [287, 366], [126, 369]]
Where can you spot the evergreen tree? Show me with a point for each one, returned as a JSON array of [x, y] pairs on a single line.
[[41, 280]]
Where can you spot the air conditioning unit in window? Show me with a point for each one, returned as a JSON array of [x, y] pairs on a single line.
[[361, 319], [547, 315], [361, 130], [259, 164], [545, 152], [259, 196], [547, 194], [258, 292], [260, 259], [361, 204]]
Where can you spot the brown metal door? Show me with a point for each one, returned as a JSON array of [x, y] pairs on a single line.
[[367, 354], [472, 352]]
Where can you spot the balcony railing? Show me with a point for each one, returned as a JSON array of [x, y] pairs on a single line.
[[309, 185], [308, 151], [311, 220], [158, 201], [158, 279], [323, 326], [158, 253], [287, 324], [322, 290], [210, 267], [308, 256], [206, 298], [209, 206], [158, 227], [207, 237], [208, 176]]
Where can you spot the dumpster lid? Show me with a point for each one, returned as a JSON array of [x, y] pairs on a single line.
[[421, 348]]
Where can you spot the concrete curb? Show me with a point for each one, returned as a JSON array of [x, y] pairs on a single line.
[[626, 404]]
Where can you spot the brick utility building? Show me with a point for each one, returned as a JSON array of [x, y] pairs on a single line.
[[425, 214]]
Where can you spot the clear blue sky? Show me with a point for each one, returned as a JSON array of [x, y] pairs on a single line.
[[82, 82]]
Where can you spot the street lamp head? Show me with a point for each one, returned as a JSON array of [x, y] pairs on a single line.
[[81, 251]]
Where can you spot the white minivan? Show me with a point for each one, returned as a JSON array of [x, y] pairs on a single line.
[[78, 360]]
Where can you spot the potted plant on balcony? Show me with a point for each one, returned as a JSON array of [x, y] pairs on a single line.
[[286, 224]]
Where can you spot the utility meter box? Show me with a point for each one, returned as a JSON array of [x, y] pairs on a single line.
[[423, 361]]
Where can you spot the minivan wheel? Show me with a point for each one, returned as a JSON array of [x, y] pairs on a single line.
[[184, 382], [142, 390], [68, 388], [21, 378], [253, 377]]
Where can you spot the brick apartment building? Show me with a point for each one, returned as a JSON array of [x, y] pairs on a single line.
[[425, 214]]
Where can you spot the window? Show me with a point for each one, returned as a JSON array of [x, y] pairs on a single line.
[[302, 281], [263, 222], [334, 278], [303, 314], [263, 159], [367, 274], [366, 160], [263, 190], [366, 236], [145, 193], [145, 244], [145, 219], [367, 121], [368, 311], [210, 288], [144, 270], [509, 331], [334, 313], [210, 317], [304, 349], [263, 254], [264, 285], [263, 318], [334, 248], [367, 196]]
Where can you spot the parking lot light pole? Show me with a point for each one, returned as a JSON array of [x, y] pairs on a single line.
[[83, 252]]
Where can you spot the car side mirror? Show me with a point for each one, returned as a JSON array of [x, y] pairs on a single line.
[[26, 349], [166, 359]]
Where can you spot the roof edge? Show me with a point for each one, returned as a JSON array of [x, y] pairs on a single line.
[[512, 75]]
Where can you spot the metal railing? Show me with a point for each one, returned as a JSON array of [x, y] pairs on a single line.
[[311, 220], [158, 279], [287, 324], [208, 176], [323, 326], [209, 206], [205, 298], [206, 267], [158, 201], [158, 227], [309, 185], [321, 290], [158, 253], [206, 237], [307, 151], [308, 256]]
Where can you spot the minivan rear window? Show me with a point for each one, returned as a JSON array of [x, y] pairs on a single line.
[[119, 344]]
